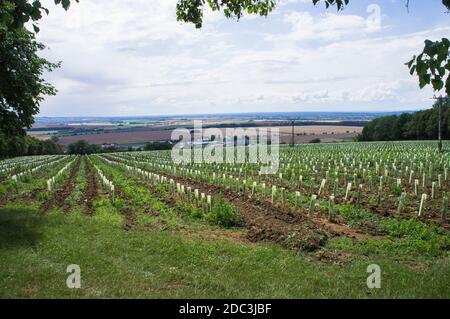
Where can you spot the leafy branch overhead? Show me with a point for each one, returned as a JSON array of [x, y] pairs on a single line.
[[22, 86], [192, 10], [14, 14], [432, 66]]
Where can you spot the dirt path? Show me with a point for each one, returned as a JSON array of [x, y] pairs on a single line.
[[58, 198], [92, 191]]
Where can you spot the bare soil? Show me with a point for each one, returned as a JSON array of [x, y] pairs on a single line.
[[127, 211], [389, 205], [92, 191], [277, 223], [58, 198]]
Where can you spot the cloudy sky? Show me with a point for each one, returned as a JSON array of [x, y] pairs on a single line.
[[133, 58]]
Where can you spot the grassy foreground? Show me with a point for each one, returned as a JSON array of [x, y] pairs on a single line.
[[151, 263]]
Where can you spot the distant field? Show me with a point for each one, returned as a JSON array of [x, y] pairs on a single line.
[[304, 134], [43, 135], [119, 138], [325, 133], [322, 129]]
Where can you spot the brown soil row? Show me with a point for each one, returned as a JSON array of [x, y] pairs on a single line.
[[58, 198], [277, 223], [127, 211], [92, 191], [387, 208]]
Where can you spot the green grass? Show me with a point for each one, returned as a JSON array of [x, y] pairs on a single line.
[[139, 200], [145, 263], [223, 214], [403, 238], [81, 184]]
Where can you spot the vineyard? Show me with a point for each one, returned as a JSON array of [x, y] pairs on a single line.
[[225, 230]]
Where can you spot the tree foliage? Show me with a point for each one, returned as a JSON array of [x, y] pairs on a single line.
[[432, 66], [21, 84], [14, 146], [192, 10], [22, 87], [14, 14], [158, 146], [421, 125], [83, 148]]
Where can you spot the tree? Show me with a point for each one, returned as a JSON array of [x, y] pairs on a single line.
[[83, 148], [315, 141], [22, 87], [422, 125], [432, 66], [158, 146], [14, 14], [21, 84], [26, 145]]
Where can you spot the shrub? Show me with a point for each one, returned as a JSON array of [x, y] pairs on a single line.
[[3, 189], [43, 196], [189, 210], [315, 141], [118, 202], [397, 190], [223, 214]]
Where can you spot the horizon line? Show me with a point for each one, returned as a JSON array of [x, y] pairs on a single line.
[[230, 113]]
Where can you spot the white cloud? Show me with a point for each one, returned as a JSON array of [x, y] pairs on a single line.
[[329, 27], [134, 58]]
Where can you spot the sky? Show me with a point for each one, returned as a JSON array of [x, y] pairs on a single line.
[[132, 58]]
